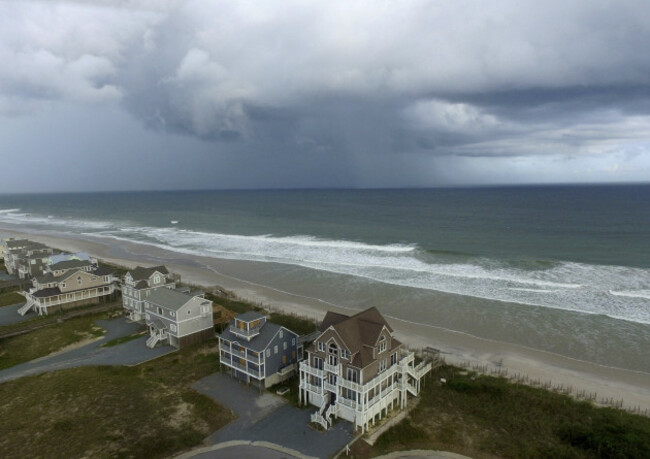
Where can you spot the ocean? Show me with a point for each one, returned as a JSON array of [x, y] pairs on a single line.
[[565, 269]]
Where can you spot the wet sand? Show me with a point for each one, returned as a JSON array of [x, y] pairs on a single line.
[[633, 387]]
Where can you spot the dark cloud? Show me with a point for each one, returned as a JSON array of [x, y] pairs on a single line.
[[372, 93]]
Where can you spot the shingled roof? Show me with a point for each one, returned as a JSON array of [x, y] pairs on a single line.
[[141, 273], [359, 332]]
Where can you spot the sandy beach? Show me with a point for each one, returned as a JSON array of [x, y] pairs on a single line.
[[632, 387]]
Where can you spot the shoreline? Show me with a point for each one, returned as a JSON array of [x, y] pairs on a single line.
[[459, 348]]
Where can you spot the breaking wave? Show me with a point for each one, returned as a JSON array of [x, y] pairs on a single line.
[[616, 291]]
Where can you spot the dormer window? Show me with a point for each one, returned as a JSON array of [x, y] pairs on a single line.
[[382, 344], [156, 279], [345, 354]]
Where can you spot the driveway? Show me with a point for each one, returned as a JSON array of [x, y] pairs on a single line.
[[130, 353], [9, 315], [268, 417]]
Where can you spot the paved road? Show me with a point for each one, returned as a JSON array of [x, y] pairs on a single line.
[[244, 452], [9, 315], [130, 353], [268, 417]]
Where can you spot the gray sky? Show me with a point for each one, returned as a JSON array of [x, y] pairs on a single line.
[[151, 94]]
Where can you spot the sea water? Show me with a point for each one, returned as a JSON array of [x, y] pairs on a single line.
[[559, 268]]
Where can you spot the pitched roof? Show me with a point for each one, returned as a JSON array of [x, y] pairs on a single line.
[[141, 273], [169, 299], [69, 264], [45, 292], [359, 332], [102, 271]]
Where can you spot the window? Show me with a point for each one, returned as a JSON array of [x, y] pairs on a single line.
[[293, 341], [382, 344], [281, 334], [393, 359], [173, 327], [156, 279], [321, 345], [63, 285], [382, 365], [268, 352], [275, 349], [105, 278], [353, 375], [189, 311], [318, 363], [173, 314], [79, 280], [284, 346], [345, 354], [159, 311]]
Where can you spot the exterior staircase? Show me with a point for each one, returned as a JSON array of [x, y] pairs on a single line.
[[319, 417], [26, 307], [152, 341]]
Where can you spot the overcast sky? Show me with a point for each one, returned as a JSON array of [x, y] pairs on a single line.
[[152, 94]]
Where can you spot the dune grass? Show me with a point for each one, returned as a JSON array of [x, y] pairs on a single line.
[[123, 339], [483, 416], [144, 411], [9, 298], [44, 341]]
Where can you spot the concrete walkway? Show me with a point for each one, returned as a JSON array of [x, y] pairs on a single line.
[[130, 353], [9, 315], [269, 418]]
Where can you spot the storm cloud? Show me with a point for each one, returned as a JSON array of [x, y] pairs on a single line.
[[366, 93]]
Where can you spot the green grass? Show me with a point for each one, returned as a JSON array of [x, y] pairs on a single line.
[[44, 341], [235, 305], [296, 324], [140, 412], [483, 416], [9, 298], [123, 339]]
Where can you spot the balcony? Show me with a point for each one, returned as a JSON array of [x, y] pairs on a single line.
[[347, 402], [244, 368], [329, 387], [350, 385], [304, 366], [248, 334], [336, 369], [312, 388]]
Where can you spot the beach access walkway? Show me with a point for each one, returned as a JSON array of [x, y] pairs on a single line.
[[130, 353]]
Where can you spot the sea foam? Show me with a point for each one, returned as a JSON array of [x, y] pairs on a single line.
[[616, 291]]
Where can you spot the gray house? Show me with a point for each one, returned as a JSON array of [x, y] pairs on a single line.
[[257, 351], [177, 318], [138, 285]]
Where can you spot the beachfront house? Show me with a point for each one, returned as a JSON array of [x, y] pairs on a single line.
[[258, 352], [25, 258], [74, 286], [138, 285], [177, 317], [356, 370]]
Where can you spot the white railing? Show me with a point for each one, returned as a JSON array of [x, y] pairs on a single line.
[[347, 402], [332, 368], [320, 420], [311, 388], [332, 410], [329, 387], [350, 385], [245, 333], [244, 368], [304, 366], [26, 307], [42, 302]]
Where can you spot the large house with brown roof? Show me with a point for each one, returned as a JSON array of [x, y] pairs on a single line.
[[356, 370], [138, 285]]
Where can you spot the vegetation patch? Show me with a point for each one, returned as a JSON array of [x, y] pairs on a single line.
[[294, 323], [143, 411], [484, 416], [233, 304], [46, 340], [9, 298], [123, 339]]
